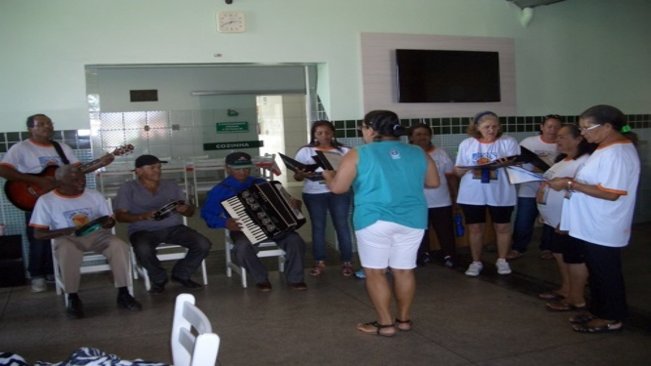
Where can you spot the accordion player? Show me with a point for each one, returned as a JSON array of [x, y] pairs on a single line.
[[265, 212]]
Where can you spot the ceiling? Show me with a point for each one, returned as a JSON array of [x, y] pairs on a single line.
[[533, 3]]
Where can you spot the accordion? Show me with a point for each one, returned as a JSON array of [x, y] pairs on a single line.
[[264, 212]]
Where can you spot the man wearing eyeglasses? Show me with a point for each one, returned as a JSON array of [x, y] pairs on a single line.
[[24, 162]]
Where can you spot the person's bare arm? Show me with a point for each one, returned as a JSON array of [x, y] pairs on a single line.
[[570, 184], [127, 217], [44, 234], [341, 180], [432, 179]]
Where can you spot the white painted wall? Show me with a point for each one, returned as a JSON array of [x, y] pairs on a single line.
[[574, 53]]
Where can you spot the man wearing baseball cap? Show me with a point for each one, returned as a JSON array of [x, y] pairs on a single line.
[[238, 167], [138, 203]]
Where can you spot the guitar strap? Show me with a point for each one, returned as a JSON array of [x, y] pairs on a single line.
[[59, 150]]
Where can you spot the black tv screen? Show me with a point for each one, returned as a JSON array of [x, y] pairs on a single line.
[[437, 76]]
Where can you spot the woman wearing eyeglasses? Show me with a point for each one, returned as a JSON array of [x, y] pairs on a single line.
[[599, 213], [485, 189], [390, 214]]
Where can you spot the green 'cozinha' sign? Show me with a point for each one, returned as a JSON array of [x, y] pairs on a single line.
[[232, 127], [232, 145]]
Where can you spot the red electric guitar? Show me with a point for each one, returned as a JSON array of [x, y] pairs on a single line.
[[24, 195]]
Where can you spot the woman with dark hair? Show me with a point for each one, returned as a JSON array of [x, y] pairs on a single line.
[[599, 213], [319, 200], [567, 251], [390, 214], [439, 200], [543, 145], [484, 189]]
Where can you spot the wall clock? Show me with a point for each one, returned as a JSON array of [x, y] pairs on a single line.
[[231, 22]]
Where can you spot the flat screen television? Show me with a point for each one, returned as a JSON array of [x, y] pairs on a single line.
[[441, 76]]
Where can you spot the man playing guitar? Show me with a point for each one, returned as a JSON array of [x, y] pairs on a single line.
[[21, 163]]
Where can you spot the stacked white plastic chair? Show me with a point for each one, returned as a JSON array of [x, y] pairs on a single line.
[[193, 342]]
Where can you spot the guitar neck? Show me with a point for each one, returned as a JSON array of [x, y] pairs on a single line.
[[94, 165]]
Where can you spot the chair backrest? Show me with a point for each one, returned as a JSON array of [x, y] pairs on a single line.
[[188, 349]]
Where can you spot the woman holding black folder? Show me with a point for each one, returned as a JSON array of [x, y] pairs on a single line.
[[483, 188], [319, 200]]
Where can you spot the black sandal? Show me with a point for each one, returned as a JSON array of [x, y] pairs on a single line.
[[581, 318], [404, 325], [378, 329], [604, 328]]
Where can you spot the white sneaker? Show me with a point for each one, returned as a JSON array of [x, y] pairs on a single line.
[[38, 284], [503, 267], [474, 268]]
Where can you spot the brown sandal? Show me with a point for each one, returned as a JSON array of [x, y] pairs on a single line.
[[318, 269], [404, 325], [347, 269], [564, 306], [377, 329]]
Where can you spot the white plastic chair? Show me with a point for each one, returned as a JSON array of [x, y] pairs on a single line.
[[91, 263], [266, 249], [188, 349], [164, 252]]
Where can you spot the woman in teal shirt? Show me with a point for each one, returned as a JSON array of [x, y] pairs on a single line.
[[390, 213]]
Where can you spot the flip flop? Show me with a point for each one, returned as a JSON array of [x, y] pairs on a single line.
[[376, 329]]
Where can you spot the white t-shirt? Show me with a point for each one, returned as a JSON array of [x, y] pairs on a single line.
[[304, 155], [613, 168], [546, 151], [54, 211], [440, 196], [551, 209], [498, 192], [30, 157]]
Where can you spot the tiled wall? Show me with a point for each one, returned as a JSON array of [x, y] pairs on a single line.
[[449, 132], [70, 137], [446, 126]]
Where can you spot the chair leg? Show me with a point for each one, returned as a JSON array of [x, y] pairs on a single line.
[[129, 274], [243, 270], [281, 263], [134, 263], [204, 272], [227, 255], [145, 276]]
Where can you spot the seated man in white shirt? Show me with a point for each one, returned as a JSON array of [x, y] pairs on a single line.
[[64, 215]]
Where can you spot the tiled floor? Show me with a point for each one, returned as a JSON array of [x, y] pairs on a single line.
[[490, 320]]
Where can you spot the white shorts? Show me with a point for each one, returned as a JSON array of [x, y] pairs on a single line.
[[387, 244]]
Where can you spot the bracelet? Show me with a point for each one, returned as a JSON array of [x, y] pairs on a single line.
[[569, 185]]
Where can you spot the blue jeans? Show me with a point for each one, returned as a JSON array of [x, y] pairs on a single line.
[[525, 218], [339, 207], [144, 246]]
